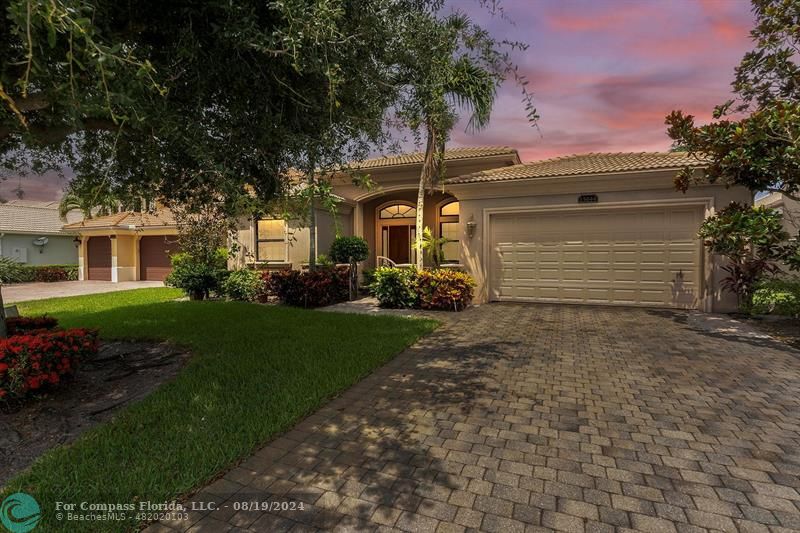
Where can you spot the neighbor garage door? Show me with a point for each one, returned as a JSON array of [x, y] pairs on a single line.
[[648, 257], [99, 258], [154, 252]]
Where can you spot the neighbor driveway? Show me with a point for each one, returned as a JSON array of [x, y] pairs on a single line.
[[534, 418], [21, 292]]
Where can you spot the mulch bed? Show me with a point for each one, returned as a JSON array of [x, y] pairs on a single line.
[[120, 374]]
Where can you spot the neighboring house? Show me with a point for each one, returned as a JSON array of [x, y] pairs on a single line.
[[591, 229], [126, 246], [32, 233], [788, 207]]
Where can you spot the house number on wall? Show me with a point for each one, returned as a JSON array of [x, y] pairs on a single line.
[[587, 199]]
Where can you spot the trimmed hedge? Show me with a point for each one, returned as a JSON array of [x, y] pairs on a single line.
[[52, 273], [14, 272], [39, 355]]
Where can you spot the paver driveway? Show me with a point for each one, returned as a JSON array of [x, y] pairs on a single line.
[[534, 417], [22, 292]]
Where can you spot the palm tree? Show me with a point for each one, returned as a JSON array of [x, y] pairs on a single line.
[[446, 70], [90, 201]]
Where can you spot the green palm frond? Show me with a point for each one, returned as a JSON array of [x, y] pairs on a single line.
[[474, 88]]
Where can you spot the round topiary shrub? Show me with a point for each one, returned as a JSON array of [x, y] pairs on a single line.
[[345, 248]]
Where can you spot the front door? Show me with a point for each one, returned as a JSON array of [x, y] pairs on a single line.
[[400, 244]]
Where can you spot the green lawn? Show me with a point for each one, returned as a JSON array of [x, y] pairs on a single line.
[[256, 370]]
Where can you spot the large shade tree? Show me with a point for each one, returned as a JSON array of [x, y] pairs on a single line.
[[754, 140], [446, 66], [174, 96], [179, 100]]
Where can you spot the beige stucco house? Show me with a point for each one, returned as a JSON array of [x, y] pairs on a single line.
[[126, 246], [604, 229], [788, 207]]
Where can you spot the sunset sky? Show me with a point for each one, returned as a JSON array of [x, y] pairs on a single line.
[[604, 74]]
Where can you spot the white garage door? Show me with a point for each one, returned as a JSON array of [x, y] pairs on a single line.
[[648, 257]]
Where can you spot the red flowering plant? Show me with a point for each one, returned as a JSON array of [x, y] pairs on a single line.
[[32, 359]]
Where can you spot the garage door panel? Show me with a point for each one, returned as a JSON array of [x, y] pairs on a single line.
[[154, 256], [630, 257], [99, 258]]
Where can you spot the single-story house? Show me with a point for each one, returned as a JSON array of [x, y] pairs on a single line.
[[593, 229], [126, 246], [32, 233]]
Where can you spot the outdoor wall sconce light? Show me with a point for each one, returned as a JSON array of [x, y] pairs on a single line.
[[471, 227], [76, 241]]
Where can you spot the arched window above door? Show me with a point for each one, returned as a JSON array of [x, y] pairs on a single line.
[[398, 211], [449, 209]]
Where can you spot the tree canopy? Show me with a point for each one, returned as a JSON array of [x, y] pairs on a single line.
[[182, 98], [755, 139]]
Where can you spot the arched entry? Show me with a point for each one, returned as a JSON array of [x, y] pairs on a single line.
[[396, 231]]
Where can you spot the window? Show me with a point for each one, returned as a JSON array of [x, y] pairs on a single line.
[[398, 211], [450, 230], [271, 240]]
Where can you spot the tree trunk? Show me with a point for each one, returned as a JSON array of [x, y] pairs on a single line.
[[419, 222], [425, 179], [312, 226], [3, 326]]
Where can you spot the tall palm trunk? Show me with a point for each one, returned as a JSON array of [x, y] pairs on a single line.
[[426, 176]]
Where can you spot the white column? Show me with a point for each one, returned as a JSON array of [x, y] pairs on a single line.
[[114, 273], [82, 249]]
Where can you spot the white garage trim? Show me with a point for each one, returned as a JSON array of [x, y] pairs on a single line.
[[703, 268]]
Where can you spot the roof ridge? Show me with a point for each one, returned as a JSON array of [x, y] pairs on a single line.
[[584, 164]]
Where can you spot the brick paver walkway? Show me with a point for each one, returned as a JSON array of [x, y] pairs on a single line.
[[534, 418]]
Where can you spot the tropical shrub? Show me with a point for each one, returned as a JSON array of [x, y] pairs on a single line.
[[433, 247], [11, 271], [345, 248], [753, 241], [325, 261], [312, 288], [244, 284], [33, 360], [778, 297], [198, 277], [23, 324], [445, 289], [395, 287]]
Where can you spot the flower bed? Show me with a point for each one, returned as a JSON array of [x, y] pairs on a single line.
[[317, 288], [38, 355]]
